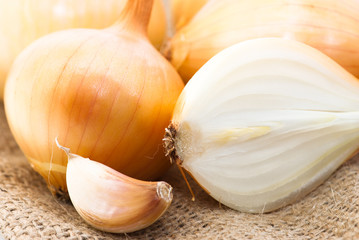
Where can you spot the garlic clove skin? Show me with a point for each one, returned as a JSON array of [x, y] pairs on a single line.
[[111, 201], [266, 121]]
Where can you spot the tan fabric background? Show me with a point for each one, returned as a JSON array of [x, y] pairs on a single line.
[[28, 210]]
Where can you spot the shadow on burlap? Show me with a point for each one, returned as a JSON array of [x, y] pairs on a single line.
[[28, 210]]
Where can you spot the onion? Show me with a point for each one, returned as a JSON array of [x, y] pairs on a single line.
[[183, 11], [264, 122], [329, 25], [23, 21], [106, 94]]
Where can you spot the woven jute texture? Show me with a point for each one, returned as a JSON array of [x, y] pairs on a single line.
[[29, 211]]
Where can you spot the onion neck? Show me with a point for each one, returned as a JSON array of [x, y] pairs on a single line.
[[134, 17]]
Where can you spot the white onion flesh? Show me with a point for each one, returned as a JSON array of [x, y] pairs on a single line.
[[266, 121]]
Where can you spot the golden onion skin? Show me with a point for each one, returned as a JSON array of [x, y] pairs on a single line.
[[184, 10], [106, 94], [33, 19], [329, 26]]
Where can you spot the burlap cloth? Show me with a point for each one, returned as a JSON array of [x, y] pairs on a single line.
[[28, 210]]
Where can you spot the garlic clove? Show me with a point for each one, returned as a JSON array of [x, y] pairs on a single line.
[[264, 122], [111, 201]]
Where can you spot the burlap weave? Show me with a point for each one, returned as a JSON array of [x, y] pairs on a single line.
[[28, 211]]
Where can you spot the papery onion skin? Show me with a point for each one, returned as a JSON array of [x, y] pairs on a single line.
[[184, 10], [106, 94], [330, 26], [264, 122], [23, 21]]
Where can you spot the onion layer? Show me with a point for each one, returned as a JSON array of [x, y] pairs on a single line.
[[264, 122]]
